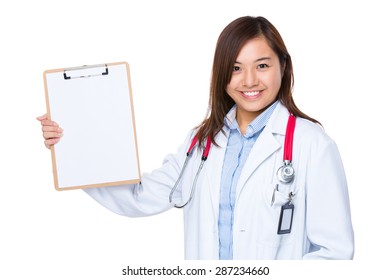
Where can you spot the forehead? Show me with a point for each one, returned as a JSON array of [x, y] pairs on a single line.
[[256, 48]]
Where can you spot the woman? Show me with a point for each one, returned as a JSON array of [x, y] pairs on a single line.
[[234, 206]]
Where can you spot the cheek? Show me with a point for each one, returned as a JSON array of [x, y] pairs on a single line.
[[274, 80], [277, 83], [231, 94], [231, 86]]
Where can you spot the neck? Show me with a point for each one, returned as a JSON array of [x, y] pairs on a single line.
[[245, 118]]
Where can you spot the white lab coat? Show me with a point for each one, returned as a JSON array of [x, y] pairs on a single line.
[[321, 227]]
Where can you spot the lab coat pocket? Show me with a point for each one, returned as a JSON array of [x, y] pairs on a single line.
[[275, 197]]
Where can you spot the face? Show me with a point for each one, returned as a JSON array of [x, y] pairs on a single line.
[[256, 79]]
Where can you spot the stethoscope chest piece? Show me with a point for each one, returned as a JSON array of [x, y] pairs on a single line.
[[286, 173]]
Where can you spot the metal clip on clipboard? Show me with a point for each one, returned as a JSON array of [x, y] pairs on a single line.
[[86, 71]]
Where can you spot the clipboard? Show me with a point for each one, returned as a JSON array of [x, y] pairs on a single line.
[[94, 106]]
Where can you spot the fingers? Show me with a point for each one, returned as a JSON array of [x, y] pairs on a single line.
[[45, 121], [50, 142], [43, 117], [51, 131]]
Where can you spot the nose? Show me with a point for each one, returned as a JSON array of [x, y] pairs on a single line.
[[250, 79]]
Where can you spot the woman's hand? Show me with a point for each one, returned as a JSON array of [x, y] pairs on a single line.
[[52, 132]]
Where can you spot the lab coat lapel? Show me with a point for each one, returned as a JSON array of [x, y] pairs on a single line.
[[213, 172], [265, 145]]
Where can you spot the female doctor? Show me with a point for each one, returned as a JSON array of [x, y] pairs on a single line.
[[263, 180]]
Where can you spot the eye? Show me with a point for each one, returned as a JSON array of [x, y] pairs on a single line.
[[262, 66], [235, 68]]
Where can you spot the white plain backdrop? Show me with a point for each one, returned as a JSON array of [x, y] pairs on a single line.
[[340, 51]]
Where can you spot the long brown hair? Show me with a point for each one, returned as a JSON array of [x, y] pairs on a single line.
[[231, 40]]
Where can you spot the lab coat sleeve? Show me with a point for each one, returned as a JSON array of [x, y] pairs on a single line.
[[150, 196], [329, 227]]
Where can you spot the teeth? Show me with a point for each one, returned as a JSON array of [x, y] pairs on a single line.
[[251, 93]]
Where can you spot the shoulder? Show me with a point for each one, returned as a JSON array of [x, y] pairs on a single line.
[[305, 129], [311, 135], [309, 129], [306, 132]]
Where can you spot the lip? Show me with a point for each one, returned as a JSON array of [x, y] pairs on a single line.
[[251, 94]]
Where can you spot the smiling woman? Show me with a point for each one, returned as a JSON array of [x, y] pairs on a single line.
[[251, 38], [236, 207]]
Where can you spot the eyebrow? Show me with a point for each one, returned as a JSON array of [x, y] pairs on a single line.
[[258, 60]]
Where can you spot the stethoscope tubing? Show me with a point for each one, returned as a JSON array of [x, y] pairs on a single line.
[[188, 156], [177, 183], [285, 173], [288, 145]]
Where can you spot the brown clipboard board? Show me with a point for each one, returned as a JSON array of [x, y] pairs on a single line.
[[94, 106]]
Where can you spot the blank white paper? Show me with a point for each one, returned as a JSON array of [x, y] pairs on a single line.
[[99, 142]]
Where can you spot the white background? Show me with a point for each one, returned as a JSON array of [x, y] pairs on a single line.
[[341, 55]]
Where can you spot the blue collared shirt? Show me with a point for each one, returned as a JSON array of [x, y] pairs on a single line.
[[237, 151]]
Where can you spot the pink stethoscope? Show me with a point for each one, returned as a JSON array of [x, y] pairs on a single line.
[[285, 173]]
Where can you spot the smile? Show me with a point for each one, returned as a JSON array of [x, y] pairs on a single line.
[[253, 93]]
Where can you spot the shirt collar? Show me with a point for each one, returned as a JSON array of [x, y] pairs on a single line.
[[255, 126]]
